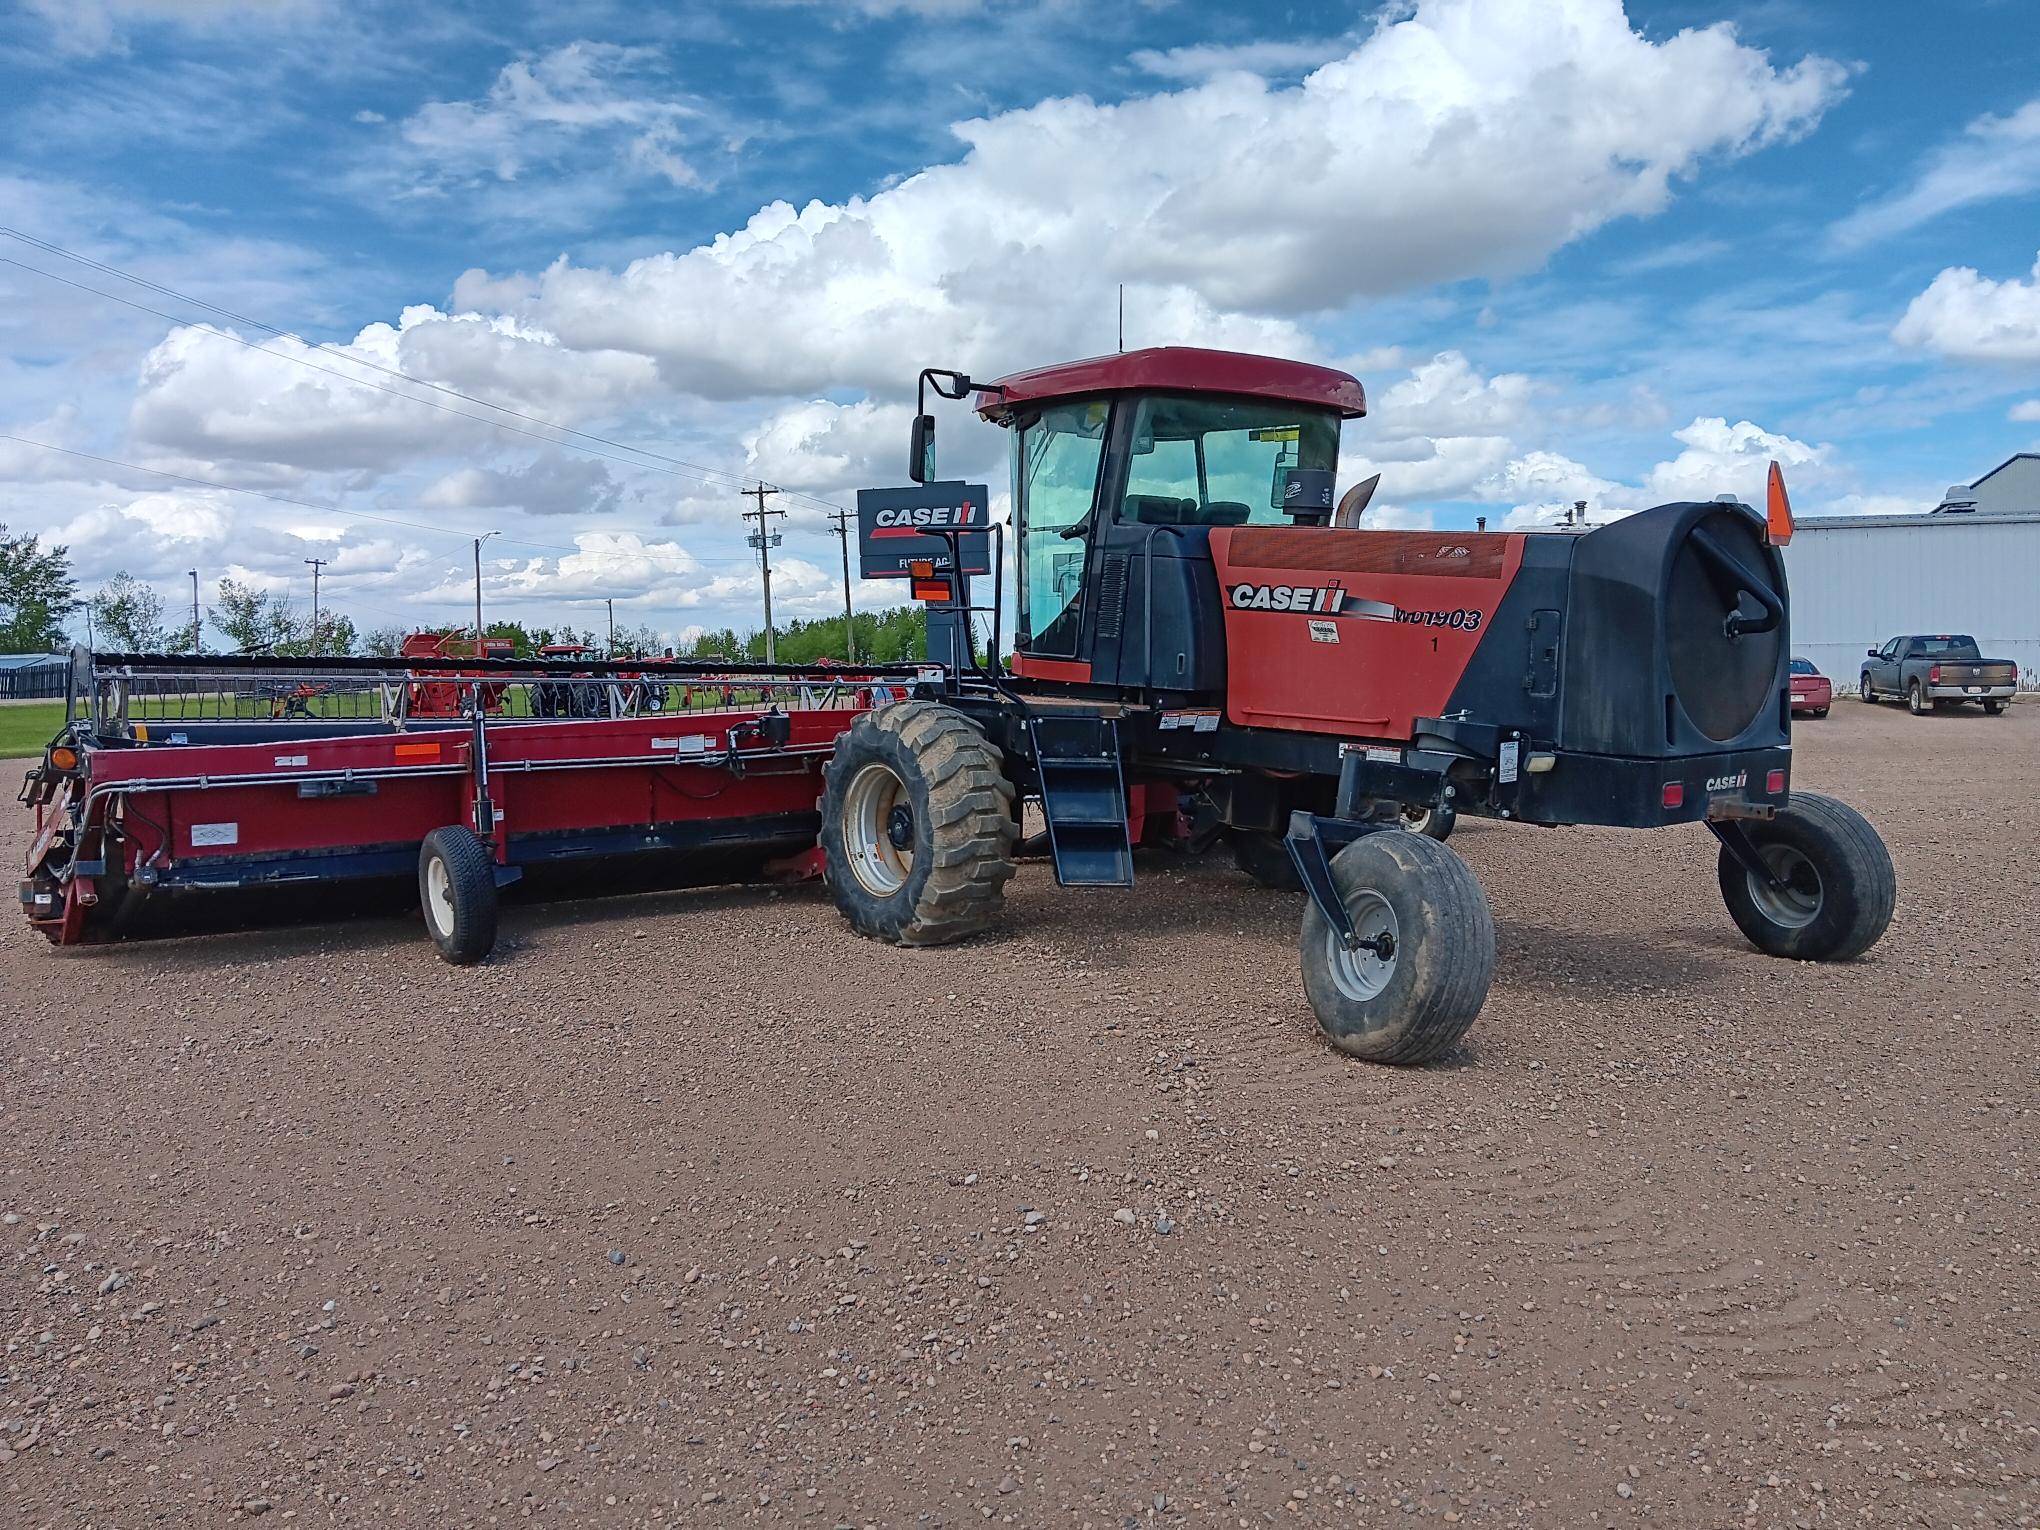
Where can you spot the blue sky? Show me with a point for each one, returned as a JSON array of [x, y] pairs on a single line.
[[1574, 250]]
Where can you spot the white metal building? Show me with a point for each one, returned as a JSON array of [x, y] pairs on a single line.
[[1858, 580]]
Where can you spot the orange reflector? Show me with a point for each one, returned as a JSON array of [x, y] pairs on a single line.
[[922, 568], [1674, 794], [1777, 510], [64, 757], [417, 751], [1774, 783], [931, 589]]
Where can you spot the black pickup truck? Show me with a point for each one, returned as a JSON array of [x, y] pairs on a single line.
[[1937, 670]]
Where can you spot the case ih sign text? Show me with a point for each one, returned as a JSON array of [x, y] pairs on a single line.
[[894, 527]]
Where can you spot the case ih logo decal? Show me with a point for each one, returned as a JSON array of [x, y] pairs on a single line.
[[1734, 783], [1332, 600], [909, 521], [1319, 600]]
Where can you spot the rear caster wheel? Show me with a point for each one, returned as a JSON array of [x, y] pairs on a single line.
[[1433, 823], [1837, 888], [457, 887], [1412, 988]]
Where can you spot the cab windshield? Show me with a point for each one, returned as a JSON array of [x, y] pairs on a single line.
[[1197, 460]]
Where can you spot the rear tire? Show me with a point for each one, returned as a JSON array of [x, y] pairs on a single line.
[[1840, 884], [917, 826], [1433, 823], [1265, 858], [1819, 712], [457, 889], [1916, 700], [1993, 708], [1418, 1002]]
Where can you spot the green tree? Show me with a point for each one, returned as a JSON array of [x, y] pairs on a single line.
[[37, 591], [254, 621], [384, 642], [127, 615]]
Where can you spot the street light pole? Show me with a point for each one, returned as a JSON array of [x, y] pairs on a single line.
[[611, 604], [196, 645], [478, 588]]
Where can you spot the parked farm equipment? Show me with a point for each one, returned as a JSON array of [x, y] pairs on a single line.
[[1206, 643], [179, 776], [1207, 649]]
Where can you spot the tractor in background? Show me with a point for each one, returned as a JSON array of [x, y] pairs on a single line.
[[1204, 637]]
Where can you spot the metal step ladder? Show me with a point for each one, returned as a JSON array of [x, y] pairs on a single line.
[[1083, 799]]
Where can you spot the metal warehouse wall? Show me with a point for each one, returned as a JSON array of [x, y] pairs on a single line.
[[1857, 582]]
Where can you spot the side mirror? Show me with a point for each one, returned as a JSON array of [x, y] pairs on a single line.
[[1870, 653], [921, 451]]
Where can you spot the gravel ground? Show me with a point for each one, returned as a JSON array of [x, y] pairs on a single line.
[[695, 1209]]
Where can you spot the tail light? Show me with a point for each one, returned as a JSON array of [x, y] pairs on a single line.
[[1674, 795], [1774, 783], [1934, 675], [63, 757]]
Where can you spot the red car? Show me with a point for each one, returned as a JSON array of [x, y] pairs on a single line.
[[1812, 693]]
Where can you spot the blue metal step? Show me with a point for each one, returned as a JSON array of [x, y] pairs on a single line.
[[1083, 799]]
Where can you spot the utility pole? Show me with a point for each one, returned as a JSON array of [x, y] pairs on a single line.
[[317, 564], [842, 520], [478, 588], [763, 540], [611, 604], [196, 646]]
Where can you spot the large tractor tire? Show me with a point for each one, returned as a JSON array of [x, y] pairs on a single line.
[[457, 888], [1839, 888], [1416, 992], [1265, 858], [918, 828]]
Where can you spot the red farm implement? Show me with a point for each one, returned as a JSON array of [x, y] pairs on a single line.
[[1206, 649], [178, 776]]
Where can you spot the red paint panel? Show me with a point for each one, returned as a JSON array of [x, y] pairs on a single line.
[[1354, 633], [1075, 671], [231, 822], [1182, 369]]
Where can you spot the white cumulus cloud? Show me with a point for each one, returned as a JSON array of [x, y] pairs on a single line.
[[1467, 138], [1967, 316]]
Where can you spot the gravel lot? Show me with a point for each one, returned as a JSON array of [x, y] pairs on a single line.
[[695, 1209]]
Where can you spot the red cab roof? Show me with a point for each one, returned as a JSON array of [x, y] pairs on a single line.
[[1181, 369]]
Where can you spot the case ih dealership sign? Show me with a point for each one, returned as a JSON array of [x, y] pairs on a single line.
[[893, 527]]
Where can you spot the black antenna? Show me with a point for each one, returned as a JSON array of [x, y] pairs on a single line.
[[1122, 316]]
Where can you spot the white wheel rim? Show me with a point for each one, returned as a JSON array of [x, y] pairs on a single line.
[[1796, 903], [871, 809], [1416, 820], [1359, 973], [439, 896]]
